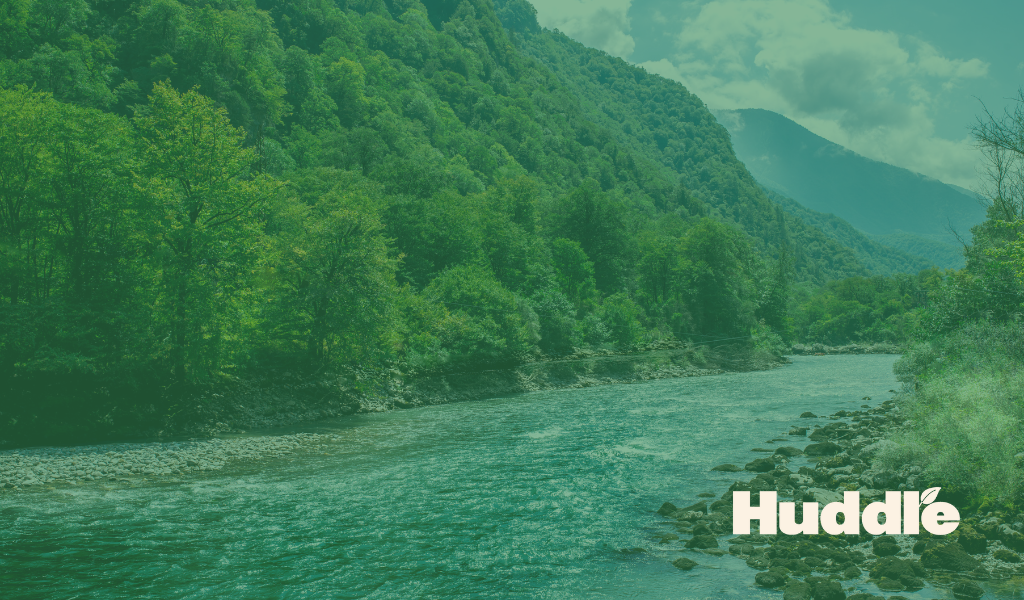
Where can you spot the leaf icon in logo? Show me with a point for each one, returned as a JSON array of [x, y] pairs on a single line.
[[929, 495]]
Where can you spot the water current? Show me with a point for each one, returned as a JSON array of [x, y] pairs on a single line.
[[545, 495]]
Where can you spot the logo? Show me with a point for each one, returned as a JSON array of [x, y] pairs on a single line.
[[902, 511]]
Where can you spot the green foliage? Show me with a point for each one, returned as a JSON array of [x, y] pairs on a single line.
[[320, 186], [967, 408], [869, 310]]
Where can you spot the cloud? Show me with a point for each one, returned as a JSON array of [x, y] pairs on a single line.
[[601, 24], [874, 92]]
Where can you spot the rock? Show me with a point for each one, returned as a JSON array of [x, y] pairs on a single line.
[[972, 540], [701, 506], [702, 529], [684, 563], [1006, 556], [912, 583], [851, 573], [757, 562], [823, 449], [827, 590], [788, 451], [885, 545], [1011, 537], [896, 568], [967, 590], [702, 541], [863, 596], [760, 465], [770, 579], [797, 590], [667, 509], [798, 431], [727, 467], [949, 557], [808, 415], [890, 585], [823, 496]]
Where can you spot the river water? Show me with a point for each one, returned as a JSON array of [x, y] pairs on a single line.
[[542, 495]]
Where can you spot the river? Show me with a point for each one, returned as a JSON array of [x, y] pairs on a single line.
[[542, 495]]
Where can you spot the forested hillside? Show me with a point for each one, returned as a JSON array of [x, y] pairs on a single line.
[[876, 257], [198, 192]]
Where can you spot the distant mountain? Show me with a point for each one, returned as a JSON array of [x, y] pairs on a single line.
[[911, 212]]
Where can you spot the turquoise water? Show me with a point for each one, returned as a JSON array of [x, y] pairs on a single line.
[[540, 495]]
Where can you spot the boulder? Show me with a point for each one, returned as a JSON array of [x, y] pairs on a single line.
[[896, 568], [889, 585], [967, 590], [822, 496], [760, 465], [702, 541], [684, 564], [808, 415], [823, 449], [727, 467], [701, 506], [972, 540], [788, 451], [949, 557], [827, 590], [798, 431], [797, 590], [1006, 555], [667, 509], [770, 579]]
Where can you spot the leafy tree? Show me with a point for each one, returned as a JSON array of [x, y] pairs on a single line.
[[207, 240]]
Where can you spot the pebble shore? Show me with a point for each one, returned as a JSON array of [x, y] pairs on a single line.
[[33, 467]]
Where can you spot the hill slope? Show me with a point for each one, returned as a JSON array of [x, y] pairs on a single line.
[[875, 197]]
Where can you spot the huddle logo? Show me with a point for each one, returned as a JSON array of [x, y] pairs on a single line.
[[937, 518]]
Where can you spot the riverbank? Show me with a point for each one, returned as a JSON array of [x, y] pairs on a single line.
[[253, 406], [848, 453], [822, 349], [282, 399]]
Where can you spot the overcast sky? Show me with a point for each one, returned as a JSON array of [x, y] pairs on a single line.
[[900, 81]]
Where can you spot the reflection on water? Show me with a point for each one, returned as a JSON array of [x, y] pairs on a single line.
[[545, 495]]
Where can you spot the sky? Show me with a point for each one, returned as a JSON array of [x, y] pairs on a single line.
[[900, 81]]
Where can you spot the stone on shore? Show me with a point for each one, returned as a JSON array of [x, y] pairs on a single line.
[[760, 465], [949, 557], [684, 563], [701, 542], [823, 449]]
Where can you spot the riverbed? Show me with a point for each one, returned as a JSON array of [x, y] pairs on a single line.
[[543, 495]]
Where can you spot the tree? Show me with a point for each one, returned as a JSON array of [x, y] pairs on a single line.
[[206, 230], [1001, 141]]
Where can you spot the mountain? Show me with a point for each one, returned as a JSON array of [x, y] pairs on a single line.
[[911, 212]]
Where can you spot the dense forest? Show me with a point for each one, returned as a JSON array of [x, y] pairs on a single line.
[[194, 193]]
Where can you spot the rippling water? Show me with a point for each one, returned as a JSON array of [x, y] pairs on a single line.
[[541, 495]]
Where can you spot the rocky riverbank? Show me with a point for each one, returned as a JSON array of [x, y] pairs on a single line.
[[291, 401], [822, 349], [842, 456], [128, 463], [282, 398]]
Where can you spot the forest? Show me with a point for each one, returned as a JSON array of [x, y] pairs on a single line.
[[197, 193]]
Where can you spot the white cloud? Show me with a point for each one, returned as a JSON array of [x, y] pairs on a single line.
[[871, 91], [601, 24]]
